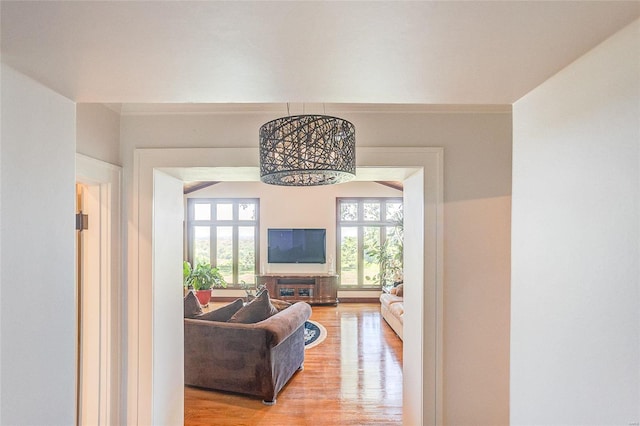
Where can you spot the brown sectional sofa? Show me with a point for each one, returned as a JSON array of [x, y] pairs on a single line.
[[392, 309], [254, 359]]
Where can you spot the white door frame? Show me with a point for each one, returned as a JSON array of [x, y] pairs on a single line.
[[103, 183], [422, 388]]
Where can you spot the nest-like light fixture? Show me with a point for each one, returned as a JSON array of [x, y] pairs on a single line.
[[307, 150]]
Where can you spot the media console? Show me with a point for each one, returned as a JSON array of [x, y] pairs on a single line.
[[311, 288]]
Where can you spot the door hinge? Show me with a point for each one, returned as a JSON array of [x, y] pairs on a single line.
[[82, 221]]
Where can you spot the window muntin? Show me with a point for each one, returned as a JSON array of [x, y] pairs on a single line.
[[363, 226], [225, 233]]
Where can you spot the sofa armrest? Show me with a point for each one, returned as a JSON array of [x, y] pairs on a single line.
[[388, 299], [284, 323]]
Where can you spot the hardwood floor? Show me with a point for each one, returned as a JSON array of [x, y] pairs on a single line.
[[354, 377]]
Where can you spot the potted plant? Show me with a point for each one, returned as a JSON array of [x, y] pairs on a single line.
[[186, 271], [202, 279]]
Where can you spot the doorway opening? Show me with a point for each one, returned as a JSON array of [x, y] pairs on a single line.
[[87, 306], [98, 277], [154, 269]]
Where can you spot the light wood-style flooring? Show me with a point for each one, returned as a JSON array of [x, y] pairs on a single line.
[[354, 377]]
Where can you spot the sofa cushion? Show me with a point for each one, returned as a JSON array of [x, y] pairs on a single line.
[[223, 313], [257, 310], [388, 299], [192, 307], [397, 309], [392, 310]]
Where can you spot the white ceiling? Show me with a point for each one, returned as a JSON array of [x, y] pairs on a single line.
[[448, 52]]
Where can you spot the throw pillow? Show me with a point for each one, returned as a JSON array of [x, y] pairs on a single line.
[[192, 307], [261, 289], [400, 290], [223, 313], [259, 309]]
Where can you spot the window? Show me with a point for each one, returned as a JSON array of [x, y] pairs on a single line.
[[370, 241], [225, 233]]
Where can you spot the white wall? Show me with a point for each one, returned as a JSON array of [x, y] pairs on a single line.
[[98, 132], [291, 207], [476, 229], [575, 346], [37, 309]]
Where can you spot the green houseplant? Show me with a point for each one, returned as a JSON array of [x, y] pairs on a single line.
[[202, 279]]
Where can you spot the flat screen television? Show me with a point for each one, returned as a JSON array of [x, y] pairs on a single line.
[[296, 245]]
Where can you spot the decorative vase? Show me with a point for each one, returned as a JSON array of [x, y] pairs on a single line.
[[203, 296]]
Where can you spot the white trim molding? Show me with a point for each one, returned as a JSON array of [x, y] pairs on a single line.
[[104, 181], [422, 171]]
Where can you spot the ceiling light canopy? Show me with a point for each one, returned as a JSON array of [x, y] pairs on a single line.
[[307, 150]]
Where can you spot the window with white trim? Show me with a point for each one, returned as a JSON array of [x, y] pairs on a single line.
[[369, 238], [225, 233]]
